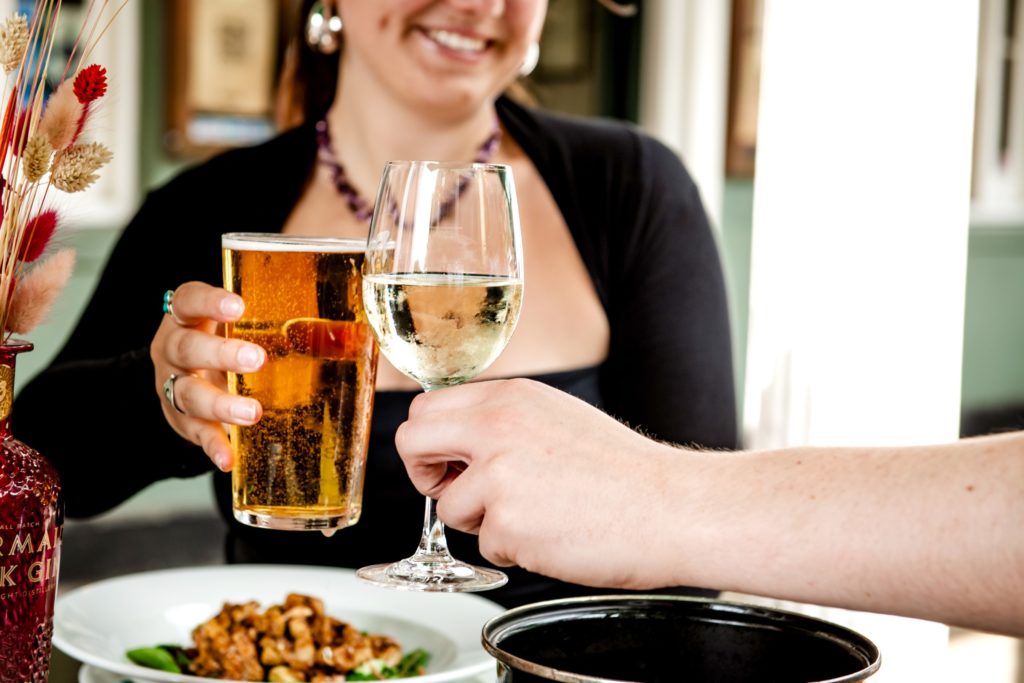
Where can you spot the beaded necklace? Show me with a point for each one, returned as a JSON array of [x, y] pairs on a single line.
[[361, 208]]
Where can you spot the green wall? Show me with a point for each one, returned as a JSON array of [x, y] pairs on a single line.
[[994, 319]]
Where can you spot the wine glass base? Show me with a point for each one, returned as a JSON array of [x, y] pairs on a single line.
[[449, 576]]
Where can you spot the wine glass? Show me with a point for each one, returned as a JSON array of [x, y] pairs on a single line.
[[442, 289]]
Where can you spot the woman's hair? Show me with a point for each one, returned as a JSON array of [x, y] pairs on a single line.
[[308, 80]]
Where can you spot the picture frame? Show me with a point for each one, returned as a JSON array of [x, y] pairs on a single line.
[[222, 63], [744, 88]]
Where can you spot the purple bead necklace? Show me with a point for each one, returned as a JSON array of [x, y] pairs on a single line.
[[361, 208]]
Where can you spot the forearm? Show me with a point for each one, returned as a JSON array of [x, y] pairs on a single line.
[[925, 532]]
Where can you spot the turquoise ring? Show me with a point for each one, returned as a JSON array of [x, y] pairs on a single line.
[[168, 308]]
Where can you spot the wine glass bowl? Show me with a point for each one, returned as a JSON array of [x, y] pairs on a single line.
[[442, 288]]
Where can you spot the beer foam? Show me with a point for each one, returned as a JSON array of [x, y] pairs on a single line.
[[269, 241]]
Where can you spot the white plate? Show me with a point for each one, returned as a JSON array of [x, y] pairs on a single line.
[[90, 674], [97, 623]]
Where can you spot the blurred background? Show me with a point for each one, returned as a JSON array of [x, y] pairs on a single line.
[[193, 77]]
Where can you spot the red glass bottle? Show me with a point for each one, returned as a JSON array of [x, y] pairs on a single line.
[[31, 522]]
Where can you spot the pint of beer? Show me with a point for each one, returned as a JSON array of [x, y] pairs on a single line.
[[301, 466]]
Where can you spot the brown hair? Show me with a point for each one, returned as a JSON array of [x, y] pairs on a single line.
[[308, 80]]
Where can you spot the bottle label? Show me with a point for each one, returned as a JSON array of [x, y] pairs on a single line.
[[28, 560], [6, 390]]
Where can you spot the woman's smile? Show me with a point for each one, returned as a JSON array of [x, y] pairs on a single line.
[[459, 44]]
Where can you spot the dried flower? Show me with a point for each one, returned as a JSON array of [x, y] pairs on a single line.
[[38, 231], [60, 121], [36, 292], [91, 83], [35, 159], [13, 41], [75, 168], [18, 138], [39, 150]]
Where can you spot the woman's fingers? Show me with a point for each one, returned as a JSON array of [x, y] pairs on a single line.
[[214, 442], [190, 360], [200, 399], [186, 347], [199, 412], [197, 302]]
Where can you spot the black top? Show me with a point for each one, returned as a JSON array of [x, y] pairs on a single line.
[[634, 214]]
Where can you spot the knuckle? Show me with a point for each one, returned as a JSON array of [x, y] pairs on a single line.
[[416, 405], [517, 386], [208, 436], [493, 548], [190, 289], [402, 438], [196, 432], [157, 347], [180, 345]]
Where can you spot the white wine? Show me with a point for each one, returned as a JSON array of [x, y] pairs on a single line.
[[442, 329]]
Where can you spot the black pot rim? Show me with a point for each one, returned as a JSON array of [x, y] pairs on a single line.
[[524, 616]]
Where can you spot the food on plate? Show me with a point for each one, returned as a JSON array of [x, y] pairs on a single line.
[[295, 641]]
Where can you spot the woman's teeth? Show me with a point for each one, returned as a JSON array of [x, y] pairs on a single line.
[[456, 41]]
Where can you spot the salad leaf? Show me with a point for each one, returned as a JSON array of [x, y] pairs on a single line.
[[412, 663], [376, 670], [154, 658]]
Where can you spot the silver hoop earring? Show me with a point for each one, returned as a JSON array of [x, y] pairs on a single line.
[[530, 60], [323, 28]]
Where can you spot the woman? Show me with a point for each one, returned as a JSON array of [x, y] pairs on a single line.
[[627, 306]]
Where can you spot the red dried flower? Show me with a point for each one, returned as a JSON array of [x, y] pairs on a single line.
[[38, 231], [20, 135], [91, 83]]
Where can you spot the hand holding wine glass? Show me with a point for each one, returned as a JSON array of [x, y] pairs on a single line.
[[442, 287]]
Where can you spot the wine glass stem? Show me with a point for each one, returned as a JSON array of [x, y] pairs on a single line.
[[433, 545]]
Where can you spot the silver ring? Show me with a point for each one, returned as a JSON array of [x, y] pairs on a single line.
[[169, 391], [169, 307]]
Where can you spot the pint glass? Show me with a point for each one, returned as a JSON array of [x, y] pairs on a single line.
[[301, 466]]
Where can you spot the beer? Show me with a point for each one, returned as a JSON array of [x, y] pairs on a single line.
[[301, 466]]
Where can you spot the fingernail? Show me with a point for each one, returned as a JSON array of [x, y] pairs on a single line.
[[243, 409], [232, 306], [223, 460], [250, 357]]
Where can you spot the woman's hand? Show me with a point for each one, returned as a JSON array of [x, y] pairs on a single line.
[[549, 482], [189, 346]]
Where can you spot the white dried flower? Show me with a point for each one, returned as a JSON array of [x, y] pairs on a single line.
[[75, 168], [35, 159], [13, 41]]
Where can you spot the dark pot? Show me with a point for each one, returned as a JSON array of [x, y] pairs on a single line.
[[657, 639]]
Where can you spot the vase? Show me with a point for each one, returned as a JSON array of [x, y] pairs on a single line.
[[31, 522]]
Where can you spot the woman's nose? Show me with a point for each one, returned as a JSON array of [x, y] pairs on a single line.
[[481, 7]]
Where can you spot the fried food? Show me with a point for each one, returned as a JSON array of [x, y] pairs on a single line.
[[296, 641]]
